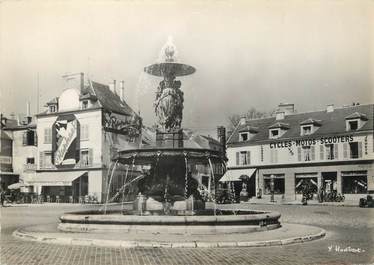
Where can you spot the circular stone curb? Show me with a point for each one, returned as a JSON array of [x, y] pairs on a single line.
[[134, 244]]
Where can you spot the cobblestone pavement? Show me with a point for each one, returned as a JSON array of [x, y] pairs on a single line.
[[346, 227]]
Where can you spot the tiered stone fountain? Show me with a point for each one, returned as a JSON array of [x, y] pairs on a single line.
[[170, 197]]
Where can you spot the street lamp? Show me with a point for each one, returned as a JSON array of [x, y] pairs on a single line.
[[272, 177]]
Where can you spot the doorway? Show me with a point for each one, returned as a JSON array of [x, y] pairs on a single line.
[[329, 181]]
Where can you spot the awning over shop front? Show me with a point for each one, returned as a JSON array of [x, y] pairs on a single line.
[[235, 174], [54, 178]]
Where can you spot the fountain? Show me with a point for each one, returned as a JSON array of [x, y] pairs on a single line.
[[170, 197]]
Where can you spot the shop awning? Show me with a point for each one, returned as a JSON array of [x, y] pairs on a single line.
[[16, 186], [235, 174], [54, 178]]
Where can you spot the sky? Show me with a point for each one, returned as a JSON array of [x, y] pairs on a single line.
[[246, 53]]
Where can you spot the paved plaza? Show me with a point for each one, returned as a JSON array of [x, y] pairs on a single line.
[[349, 230]]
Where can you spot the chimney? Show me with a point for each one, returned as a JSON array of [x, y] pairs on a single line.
[[112, 86], [82, 82], [279, 115], [28, 113], [330, 108], [221, 135], [287, 108], [122, 88], [243, 120]]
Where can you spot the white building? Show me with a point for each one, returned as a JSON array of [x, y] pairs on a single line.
[[330, 149]]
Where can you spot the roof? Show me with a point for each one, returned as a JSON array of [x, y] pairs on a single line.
[[52, 101], [357, 115], [311, 121], [109, 100], [279, 125], [331, 123]]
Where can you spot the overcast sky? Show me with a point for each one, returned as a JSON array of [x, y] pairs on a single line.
[[247, 54]]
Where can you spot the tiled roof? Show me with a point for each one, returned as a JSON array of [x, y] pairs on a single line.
[[249, 129], [109, 100], [331, 123]]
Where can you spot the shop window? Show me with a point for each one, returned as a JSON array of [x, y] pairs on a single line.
[[29, 138], [354, 182], [355, 149], [305, 182], [274, 133], [244, 136], [47, 135], [278, 184]]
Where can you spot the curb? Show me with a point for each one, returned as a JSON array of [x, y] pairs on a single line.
[[134, 244]]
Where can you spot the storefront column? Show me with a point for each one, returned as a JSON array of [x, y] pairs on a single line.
[[339, 182], [319, 180]]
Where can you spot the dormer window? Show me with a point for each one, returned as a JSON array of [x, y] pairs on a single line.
[[52, 108], [352, 125], [246, 133], [277, 130], [84, 104], [274, 133], [244, 136], [309, 126], [307, 130], [355, 121]]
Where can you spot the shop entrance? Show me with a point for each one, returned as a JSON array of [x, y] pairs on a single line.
[[329, 182]]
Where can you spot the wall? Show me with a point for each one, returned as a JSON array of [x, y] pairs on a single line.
[[289, 154]]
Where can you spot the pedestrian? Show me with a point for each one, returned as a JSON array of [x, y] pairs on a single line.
[[2, 197]]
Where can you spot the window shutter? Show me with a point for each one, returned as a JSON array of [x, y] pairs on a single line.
[[345, 150], [90, 156], [335, 151], [313, 153], [41, 160], [321, 152], [248, 158], [35, 139], [24, 138], [237, 158], [276, 156], [359, 149], [299, 153]]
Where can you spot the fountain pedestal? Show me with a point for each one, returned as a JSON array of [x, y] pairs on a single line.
[[170, 139]]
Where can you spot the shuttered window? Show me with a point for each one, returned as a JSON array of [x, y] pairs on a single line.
[[237, 158], [336, 156], [84, 132], [321, 153], [299, 154], [313, 153], [47, 135], [345, 150]]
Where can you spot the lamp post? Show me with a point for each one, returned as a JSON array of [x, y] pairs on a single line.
[[272, 188]]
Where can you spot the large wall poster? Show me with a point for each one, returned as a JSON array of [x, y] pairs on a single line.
[[65, 141]]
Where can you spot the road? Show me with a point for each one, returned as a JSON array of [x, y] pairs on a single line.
[[348, 228]]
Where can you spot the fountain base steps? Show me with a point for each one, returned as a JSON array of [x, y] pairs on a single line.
[[285, 235]]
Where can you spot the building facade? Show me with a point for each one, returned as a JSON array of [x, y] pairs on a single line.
[[329, 150], [78, 135]]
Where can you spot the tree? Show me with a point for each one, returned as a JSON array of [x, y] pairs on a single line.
[[251, 114]]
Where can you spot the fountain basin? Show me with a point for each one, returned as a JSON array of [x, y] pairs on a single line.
[[225, 222]]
